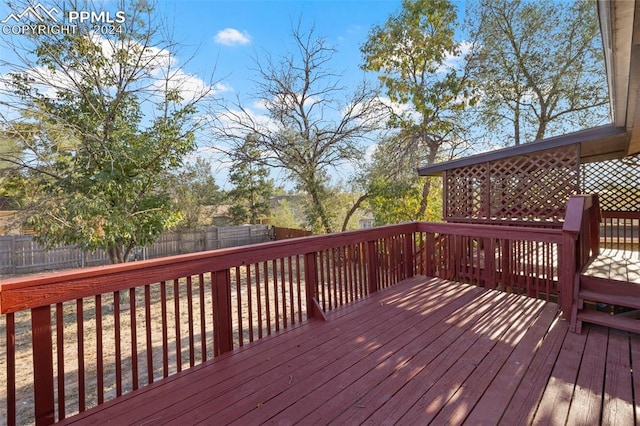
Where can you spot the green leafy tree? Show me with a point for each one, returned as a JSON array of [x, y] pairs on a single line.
[[412, 53], [539, 67], [109, 119], [394, 190], [252, 188], [313, 123], [195, 192]]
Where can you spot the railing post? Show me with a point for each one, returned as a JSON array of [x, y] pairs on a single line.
[[222, 311], [570, 253], [372, 266], [567, 273], [409, 256], [311, 285], [430, 254], [594, 222], [42, 365]]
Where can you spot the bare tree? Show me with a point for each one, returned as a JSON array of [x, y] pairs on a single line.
[[312, 122]]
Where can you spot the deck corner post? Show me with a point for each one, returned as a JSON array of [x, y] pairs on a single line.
[[372, 266], [222, 311], [311, 282], [43, 387], [567, 272]]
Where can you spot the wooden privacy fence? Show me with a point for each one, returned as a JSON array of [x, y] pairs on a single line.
[[94, 334], [21, 254]]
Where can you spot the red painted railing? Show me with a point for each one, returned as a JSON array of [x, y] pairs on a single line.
[[102, 332], [620, 231]]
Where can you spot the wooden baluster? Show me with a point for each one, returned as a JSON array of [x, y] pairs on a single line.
[[42, 365]]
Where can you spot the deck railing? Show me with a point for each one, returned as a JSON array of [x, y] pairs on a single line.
[[79, 338], [620, 231]]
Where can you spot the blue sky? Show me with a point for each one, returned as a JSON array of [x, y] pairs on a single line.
[[226, 36], [266, 26]]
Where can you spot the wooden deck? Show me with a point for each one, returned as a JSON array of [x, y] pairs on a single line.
[[618, 265], [425, 350]]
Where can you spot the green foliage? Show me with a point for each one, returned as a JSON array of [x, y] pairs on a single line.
[[411, 52], [252, 187], [193, 188], [285, 214], [103, 126]]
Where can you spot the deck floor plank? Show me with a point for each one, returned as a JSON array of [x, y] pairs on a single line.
[[449, 345], [587, 398], [350, 354], [342, 391], [425, 350], [635, 365], [490, 357], [556, 400], [424, 394], [495, 399], [617, 407], [230, 374], [524, 402]]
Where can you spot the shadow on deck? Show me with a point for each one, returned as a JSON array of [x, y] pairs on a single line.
[[425, 350]]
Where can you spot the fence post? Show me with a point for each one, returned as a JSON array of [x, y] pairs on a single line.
[[14, 255], [221, 281], [42, 365]]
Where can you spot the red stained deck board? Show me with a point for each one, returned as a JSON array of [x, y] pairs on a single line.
[[446, 347], [472, 374], [343, 390], [497, 395], [425, 349], [587, 397], [453, 360], [556, 400], [299, 380], [635, 362], [308, 378], [524, 401], [265, 387], [617, 406]]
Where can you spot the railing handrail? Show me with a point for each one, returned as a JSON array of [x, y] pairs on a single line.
[[16, 294], [548, 235]]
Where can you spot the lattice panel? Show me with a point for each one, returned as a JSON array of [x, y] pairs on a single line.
[[526, 187], [617, 182], [465, 187]]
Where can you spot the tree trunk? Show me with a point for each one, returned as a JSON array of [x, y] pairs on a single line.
[[115, 254], [353, 210]]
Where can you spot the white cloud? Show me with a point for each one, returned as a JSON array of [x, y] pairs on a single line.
[[232, 37]]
